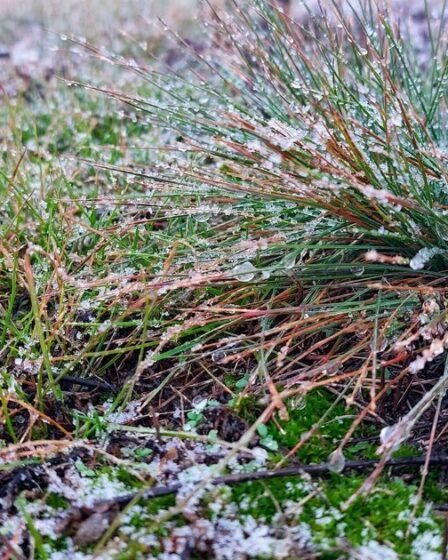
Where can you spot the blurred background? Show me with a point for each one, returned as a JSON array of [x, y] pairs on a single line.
[[92, 17], [31, 30]]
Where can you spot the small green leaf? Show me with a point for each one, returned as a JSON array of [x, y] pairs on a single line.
[[82, 469], [270, 443], [262, 431]]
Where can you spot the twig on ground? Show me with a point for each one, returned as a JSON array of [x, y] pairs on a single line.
[[89, 383], [238, 478]]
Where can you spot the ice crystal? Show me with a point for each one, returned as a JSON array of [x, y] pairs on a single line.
[[420, 259]]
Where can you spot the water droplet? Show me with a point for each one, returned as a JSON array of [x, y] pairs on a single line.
[[392, 435], [357, 270], [199, 402], [218, 355], [244, 272], [336, 461], [202, 217], [332, 368], [289, 261], [381, 344], [361, 333]]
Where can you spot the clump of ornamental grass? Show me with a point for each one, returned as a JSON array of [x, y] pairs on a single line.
[[315, 153]]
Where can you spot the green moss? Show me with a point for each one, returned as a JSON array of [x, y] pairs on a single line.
[[383, 516], [309, 411]]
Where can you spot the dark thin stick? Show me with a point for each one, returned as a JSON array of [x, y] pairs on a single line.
[[313, 470], [90, 383]]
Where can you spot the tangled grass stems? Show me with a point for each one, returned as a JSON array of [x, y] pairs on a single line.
[[332, 134], [328, 136]]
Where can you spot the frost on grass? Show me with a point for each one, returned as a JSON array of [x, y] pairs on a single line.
[[308, 174], [422, 258]]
